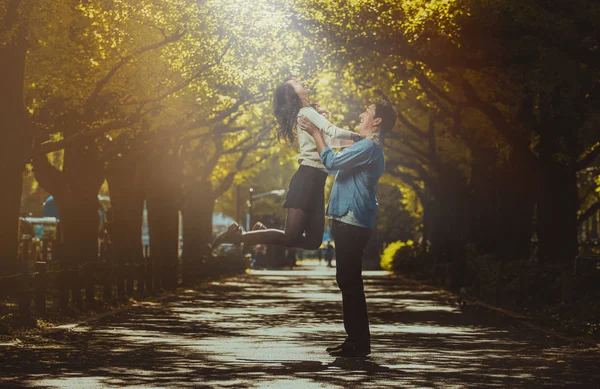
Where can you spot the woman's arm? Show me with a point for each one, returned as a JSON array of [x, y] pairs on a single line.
[[328, 128]]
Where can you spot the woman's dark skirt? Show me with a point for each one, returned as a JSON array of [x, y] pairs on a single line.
[[306, 190]]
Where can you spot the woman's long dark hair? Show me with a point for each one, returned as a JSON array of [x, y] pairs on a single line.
[[286, 104]]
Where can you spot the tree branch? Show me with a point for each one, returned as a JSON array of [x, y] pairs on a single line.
[[412, 127], [186, 82], [395, 44], [424, 81], [102, 82], [226, 183], [47, 175], [502, 124], [50, 146], [418, 154], [412, 182], [589, 157], [422, 173], [11, 16], [221, 129], [589, 212]]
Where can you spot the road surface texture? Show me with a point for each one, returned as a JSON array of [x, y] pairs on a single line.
[[269, 329]]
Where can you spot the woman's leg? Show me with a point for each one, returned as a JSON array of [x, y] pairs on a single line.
[[296, 222], [302, 229], [313, 235]]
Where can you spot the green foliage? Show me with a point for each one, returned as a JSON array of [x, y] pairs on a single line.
[[393, 252], [195, 79], [395, 219], [148, 77]]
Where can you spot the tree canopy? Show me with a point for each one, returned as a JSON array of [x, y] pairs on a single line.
[[497, 101]]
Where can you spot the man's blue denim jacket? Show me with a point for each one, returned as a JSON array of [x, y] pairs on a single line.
[[358, 170]]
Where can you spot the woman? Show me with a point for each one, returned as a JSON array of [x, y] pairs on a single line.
[[305, 202]]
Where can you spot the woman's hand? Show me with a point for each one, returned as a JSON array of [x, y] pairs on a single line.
[[308, 126]]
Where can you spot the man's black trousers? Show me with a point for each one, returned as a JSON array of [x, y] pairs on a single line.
[[350, 242]]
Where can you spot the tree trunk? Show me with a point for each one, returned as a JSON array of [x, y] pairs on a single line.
[[197, 226], [79, 227], [197, 213], [127, 206], [163, 225], [500, 206], [448, 218], [517, 188], [75, 190], [482, 226], [11, 176], [77, 202], [163, 203], [557, 214], [559, 202], [14, 132]]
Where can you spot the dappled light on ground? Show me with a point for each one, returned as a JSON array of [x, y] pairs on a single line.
[[269, 329]]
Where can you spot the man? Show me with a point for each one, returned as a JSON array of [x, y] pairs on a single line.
[[352, 208]]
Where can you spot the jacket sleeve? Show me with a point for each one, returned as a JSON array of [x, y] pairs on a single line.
[[361, 153]]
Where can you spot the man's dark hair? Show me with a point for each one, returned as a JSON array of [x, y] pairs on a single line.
[[386, 112]]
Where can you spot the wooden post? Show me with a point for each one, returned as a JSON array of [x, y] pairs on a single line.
[[119, 269], [41, 285], [130, 271], [24, 294], [88, 272], [149, 275], [186, 274], [107, 280], [158, 274], [75, 282], [145, 274], [106, 269], [44, 252], [139, 273], [63, 276], [594, 226]]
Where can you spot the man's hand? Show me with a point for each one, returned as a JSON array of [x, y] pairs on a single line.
[[308, 126], [324, 112], [313, 131]]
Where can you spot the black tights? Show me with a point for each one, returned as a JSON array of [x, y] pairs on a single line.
[[302, 229]]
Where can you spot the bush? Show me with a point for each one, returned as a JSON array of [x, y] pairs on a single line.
[[393, 253]]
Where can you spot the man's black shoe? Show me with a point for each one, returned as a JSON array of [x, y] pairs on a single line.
[[351, 350], [336, 348]]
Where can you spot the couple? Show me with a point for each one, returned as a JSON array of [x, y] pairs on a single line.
[[352, 205]]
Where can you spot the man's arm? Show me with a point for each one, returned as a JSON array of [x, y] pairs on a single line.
[[355, 155]]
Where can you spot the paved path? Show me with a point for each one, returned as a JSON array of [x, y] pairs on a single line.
[[269, 329]]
